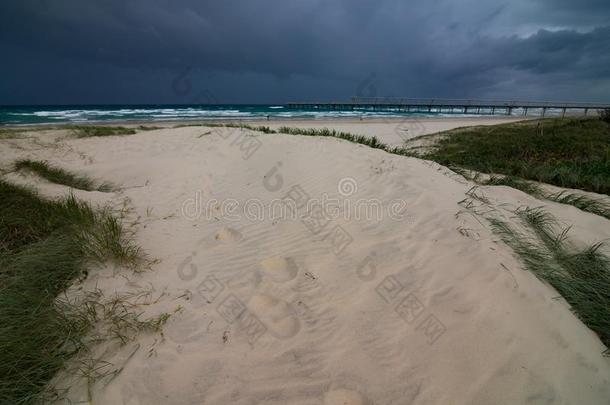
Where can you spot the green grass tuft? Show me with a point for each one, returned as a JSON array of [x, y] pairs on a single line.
[[585, 203], [260, 128], [108, 242], [61, 176], [580, 275], [372, 142], [91, 131], [148, 127], [514, 182], [44, 246], [9, 133], [571, 153]]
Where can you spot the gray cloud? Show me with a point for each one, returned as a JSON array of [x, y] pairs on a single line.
[[68, 51]]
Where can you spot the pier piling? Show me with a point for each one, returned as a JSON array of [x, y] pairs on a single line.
[[439, 105]]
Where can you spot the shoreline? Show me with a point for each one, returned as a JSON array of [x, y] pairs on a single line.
[[391, 131], [250, 120]]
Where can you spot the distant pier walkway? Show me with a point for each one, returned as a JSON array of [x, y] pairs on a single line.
[[393, 104]]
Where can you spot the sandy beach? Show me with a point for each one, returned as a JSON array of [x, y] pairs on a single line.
[[398, 294], [391, 131]]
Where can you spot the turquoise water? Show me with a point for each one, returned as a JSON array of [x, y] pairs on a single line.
[[19, 115]]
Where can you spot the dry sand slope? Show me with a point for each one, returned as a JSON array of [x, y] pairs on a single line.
[[391, 131], [401, 310]]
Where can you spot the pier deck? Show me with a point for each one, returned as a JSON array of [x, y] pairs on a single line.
[[450, 106]]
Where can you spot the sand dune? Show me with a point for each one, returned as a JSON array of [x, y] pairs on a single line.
[[409, 300], [392, 131]]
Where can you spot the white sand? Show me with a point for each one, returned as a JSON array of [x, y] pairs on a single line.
[[392, 131], [410, 312]]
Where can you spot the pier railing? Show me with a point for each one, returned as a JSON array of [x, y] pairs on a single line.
[[449, 105]]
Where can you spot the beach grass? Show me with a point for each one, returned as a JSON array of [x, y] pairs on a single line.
[[580, 275], [597, 206], [514, 182], [44, 246], [92, 131], [259, 128], [148, 127], [571, 152], [583, 202], [8, 133], [372, 142], [60, 176]]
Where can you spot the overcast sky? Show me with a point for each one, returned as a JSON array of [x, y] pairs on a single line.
[[275, 51]]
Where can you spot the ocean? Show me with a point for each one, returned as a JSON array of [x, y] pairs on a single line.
[[22, 115]]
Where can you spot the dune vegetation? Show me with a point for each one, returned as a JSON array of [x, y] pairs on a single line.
[[571, 152], [580, 275], [88, 131], [60, 176], [45, 246]]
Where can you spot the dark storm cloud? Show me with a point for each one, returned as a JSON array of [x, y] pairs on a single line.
[[60, 51]]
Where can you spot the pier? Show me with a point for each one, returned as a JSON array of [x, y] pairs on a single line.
[[452, 106]]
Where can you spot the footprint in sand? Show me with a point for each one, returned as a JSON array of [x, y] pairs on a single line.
[[279, 269], [344, 397], [277, 315], [228, 235]]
